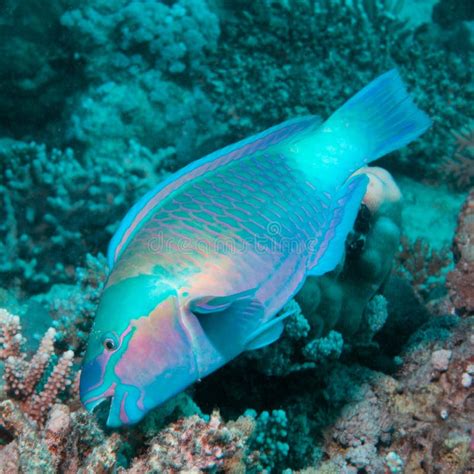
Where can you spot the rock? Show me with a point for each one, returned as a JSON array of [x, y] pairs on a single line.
[[440, 360]]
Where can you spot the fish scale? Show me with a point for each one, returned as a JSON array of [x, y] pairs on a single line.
[[168, 223]]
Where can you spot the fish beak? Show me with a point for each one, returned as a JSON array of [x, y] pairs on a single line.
[[125, 407], [91, 404], [113, 420], [113, 408], [117, 414]]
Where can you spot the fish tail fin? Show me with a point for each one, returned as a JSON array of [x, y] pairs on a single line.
[[380, 118]]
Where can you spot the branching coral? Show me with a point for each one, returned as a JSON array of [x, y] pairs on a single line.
[[49, 197], [22, 377], [422, 266], [460, 167]]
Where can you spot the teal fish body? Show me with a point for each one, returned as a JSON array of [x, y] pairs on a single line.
[[202, 264]]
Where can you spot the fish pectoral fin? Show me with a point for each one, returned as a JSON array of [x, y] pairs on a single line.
[[228, 320], [268, 333], [218, 304]]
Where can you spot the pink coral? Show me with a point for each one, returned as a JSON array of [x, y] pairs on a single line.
[[420, 264], [10, 335], [460, 281], [22, 376], [62, 445], [461, 165], [194, 445]]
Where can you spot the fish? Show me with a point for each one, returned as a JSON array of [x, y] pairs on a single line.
[[202, 265]]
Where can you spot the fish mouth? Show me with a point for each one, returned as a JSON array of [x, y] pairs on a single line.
[[91, 404], [92, 401], [108, 407], [103, 408]]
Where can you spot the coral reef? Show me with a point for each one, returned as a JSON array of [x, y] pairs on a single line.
[[432, 409], [194, 445], [461, 279], [71, 308], [38, 382], [48, 198], [460, 167], [102, 99], [267, 445], [424, 267], [419, 422], [139, 58]]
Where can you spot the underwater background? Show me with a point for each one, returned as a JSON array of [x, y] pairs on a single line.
[[100, 100]]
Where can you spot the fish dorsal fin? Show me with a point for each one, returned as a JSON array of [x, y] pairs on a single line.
[[227, 321], [144, 208], [268, 333], [343, 215]]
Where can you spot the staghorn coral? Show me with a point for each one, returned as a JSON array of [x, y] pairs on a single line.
[[11, 339], [460, 281], [22, 377]]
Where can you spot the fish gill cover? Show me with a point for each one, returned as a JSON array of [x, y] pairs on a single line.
[[101, 100]]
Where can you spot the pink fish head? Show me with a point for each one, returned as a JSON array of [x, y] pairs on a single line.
[[139, 353]]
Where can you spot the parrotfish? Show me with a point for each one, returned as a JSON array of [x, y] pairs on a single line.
[[201, 266]]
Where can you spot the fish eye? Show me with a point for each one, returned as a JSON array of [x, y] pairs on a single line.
[[110, 342]]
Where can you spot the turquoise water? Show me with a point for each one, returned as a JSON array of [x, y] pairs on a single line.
[[101, 100]]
